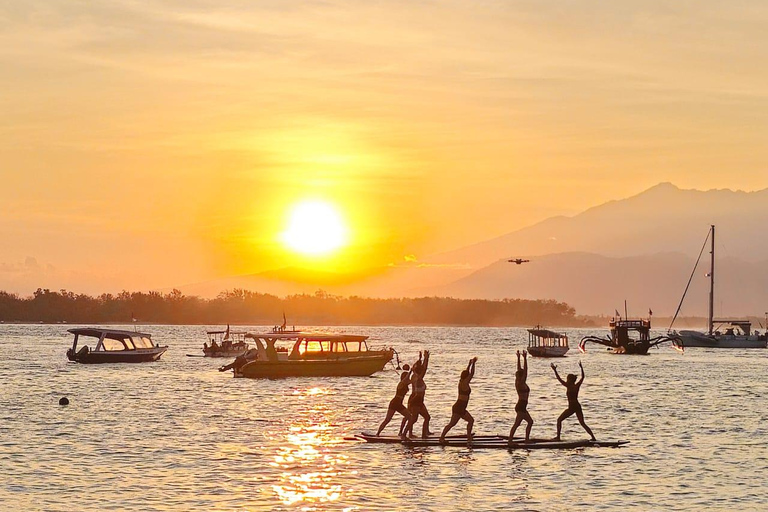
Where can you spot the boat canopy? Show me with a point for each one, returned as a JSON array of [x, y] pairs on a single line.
[[107, 333], [308, 336], [113, 339]]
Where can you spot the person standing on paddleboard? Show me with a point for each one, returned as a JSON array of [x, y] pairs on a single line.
[[459, 411], [416, 405], [396, 404], [523, 392], [574, 407]]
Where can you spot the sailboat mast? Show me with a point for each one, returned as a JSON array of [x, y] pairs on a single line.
[[712, 283]]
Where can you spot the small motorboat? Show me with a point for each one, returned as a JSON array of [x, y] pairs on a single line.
[[545, 343], [225, 343], [114, 346], [310, 355]]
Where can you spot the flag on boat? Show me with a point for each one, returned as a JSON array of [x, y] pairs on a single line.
[[133, 317], [618, 315], [650, 313], [284, 322], [226, 334]]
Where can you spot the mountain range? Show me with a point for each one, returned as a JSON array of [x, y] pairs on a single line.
[[641, 249]]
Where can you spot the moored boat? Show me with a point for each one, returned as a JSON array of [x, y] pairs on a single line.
[[225, 343], [738, 331], [628, 336], [114, 346], [545, 343], [310, 355]]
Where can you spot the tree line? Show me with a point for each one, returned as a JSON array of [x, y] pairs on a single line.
[[240, 306]]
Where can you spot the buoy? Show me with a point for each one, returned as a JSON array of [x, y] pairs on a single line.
[[63, 401]]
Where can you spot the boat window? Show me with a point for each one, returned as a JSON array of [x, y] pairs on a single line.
[[339, 346], [110, 344], [313, 346], [142, 342]]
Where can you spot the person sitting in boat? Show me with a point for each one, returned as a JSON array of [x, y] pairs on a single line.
[[459, 411], [574, 407], [523, 392], [416, 405], [396, 404]]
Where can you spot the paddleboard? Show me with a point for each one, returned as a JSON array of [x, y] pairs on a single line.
[[491, 441]]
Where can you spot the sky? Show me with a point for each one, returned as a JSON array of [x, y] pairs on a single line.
[[150, 144]]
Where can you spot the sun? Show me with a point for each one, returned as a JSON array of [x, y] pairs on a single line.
[[314, 228]]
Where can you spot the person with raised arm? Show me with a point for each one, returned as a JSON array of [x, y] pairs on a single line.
[[523, 392], [572, 392], [396, 404], [459, 411], [416, 405]]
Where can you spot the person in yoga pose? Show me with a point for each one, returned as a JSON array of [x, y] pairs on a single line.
[[396, 404], [574, 407], [523, 391], [416, 405], [459, 411]]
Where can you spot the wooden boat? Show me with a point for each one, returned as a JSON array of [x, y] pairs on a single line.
[[490, 441], [311, 355], [738, 331], [546, 343], [225, 343], [114, 346], [628, 336]]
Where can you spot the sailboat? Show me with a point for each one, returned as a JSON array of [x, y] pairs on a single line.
[[737, 331]]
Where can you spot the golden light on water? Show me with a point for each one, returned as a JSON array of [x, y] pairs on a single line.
[[312, 468], [315, 228]]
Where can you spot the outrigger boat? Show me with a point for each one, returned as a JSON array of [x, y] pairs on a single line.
[[114, 346], [546, 343], [629, 336], [738, 333], [225, 343], [311, 355]]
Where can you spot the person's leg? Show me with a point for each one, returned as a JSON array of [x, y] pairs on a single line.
[[454, 420], [518, 420], [425, 428], [470, 421], [528, 419], [565, 414], [390, 413], [580, 416]]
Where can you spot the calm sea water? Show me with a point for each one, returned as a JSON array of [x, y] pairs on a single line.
[[177, 435]]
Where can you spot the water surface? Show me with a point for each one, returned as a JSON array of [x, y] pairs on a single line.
[[177, 435]]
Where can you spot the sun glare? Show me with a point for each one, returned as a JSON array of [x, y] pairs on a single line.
[[314, 228]]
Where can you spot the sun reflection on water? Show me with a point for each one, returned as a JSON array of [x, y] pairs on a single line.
[[312, 469]]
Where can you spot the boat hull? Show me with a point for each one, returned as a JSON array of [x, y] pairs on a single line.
[[118, 356], [699, 339], [350, 367], [548, 351]]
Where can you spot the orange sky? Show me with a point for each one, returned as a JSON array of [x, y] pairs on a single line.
[[157, 143]]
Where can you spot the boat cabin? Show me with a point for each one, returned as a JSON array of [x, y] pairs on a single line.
[[626, 331], [305, 345], [735, 327], [545, 343]]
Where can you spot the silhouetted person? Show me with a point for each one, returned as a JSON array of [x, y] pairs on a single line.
[[416, 405], [523, 392], [459, 411], [396, 404], [572, 387]]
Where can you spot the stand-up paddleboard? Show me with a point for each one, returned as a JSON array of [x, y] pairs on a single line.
[[490, 441]]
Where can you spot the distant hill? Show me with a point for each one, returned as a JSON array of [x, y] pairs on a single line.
[[663, 218], [597, 284]]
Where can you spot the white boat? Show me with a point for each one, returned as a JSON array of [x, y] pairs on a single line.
[[736, 333], [545, 343]]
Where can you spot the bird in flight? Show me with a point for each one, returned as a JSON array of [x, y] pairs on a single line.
[[518, 261]]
